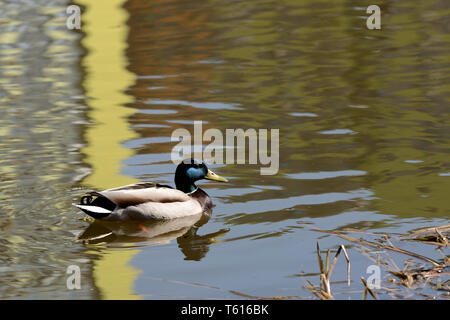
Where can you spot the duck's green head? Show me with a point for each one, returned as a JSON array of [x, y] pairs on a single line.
[[191, 170]]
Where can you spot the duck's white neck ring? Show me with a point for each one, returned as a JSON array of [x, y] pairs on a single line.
[[192, 191]]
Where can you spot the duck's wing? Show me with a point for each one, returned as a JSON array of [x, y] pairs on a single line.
[[100, 205], [140, 185], [140, 193]]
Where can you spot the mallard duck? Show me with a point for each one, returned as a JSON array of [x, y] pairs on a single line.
[[150, 201]]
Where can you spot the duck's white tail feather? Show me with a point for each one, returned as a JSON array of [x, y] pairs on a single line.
[[94, 210]]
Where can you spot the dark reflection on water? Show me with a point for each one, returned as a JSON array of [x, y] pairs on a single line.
[[364, 137], [150, 233], [134, 233]]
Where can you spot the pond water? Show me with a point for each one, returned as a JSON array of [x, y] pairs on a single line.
[[364, 127]]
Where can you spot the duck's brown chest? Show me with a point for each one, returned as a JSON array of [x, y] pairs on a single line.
[[202, 197]]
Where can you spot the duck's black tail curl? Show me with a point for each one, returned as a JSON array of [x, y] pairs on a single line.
[[96, 205]]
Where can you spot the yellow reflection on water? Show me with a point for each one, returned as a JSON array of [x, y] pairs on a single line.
[[104, 23], [107, 78]]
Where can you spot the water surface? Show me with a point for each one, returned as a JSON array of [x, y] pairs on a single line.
[[364, 139]]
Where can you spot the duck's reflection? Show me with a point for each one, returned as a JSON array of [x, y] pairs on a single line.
[[195, 246], [151, 233]]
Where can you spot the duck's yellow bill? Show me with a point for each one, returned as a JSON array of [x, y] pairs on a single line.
[[212, 176]]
